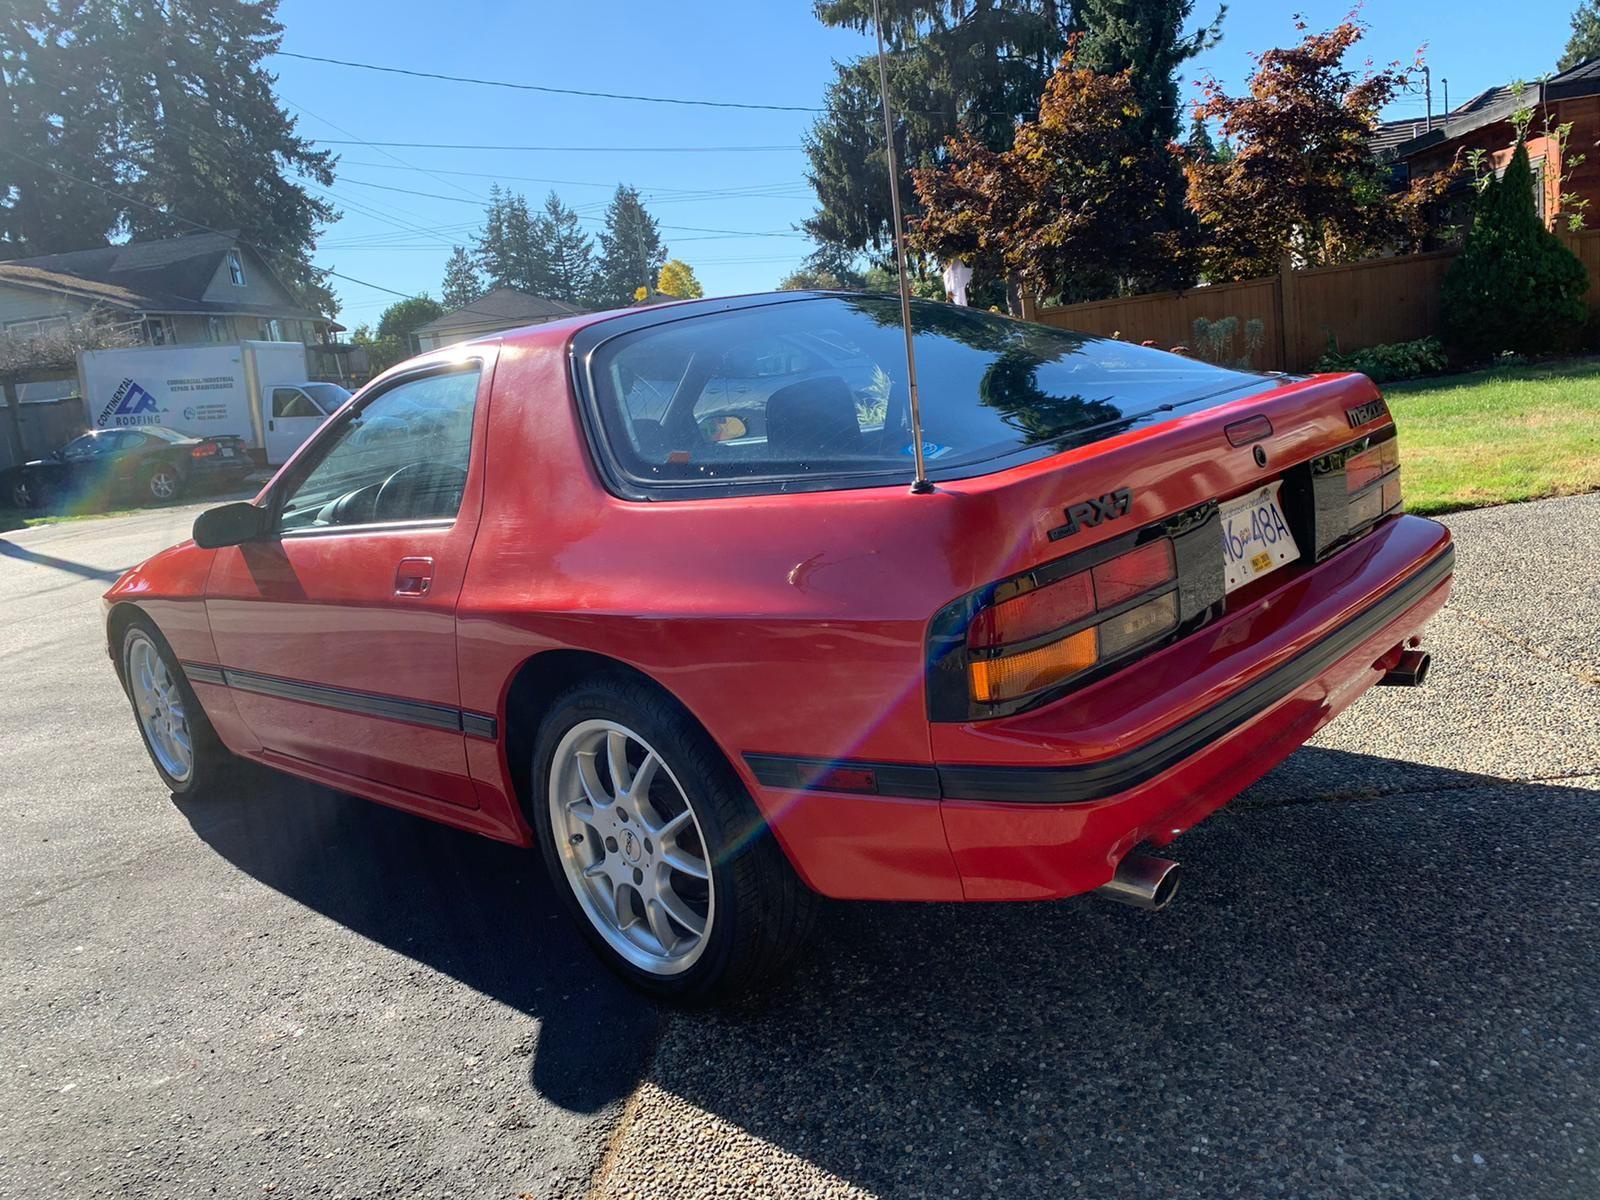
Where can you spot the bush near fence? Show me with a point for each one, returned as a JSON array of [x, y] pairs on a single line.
[[1358, 305]]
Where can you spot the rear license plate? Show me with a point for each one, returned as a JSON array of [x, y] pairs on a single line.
[[227, 452], [1255, 537]]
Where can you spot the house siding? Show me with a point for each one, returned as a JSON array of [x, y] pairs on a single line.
[[259, 286], [27, 304]]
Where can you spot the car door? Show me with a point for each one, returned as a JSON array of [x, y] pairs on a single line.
[[293, 416], [337, 632]]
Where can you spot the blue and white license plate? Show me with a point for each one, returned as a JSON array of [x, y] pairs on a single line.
[[1255, 537]]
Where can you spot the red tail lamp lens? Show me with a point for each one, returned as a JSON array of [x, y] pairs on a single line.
[[203, 450], [1032, 613], [1364, 468], [1116, 579]]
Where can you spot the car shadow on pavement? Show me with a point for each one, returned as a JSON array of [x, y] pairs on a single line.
[[1378, 978], [477, 910]]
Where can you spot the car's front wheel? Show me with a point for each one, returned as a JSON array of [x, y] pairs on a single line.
[[658, 850], [26, 494], [186, 751]]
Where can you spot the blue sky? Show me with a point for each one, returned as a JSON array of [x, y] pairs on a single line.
[[708, 202]]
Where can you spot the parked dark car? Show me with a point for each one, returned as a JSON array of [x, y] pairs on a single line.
[[150, 462]]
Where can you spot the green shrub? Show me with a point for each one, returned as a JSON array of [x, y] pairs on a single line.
[[1514, 286], [1388, 363]]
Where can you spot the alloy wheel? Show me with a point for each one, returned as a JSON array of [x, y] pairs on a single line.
[[631, 847], [164, 484], [158, 698]]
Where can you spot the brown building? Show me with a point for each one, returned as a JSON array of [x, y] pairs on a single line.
[[1484, 123]]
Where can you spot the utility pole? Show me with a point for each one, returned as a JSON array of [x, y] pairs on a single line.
[[1427, 92], [1446, 117]]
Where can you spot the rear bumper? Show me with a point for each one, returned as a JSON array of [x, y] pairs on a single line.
[[1046, 803]]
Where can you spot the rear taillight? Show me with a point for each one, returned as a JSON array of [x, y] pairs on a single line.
[[1372, 481], [1035, 636], [203, 450]]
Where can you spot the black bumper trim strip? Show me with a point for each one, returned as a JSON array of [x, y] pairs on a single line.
[[393, 708], [1088, 782]]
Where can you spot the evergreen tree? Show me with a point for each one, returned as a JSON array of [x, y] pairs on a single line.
[[953, 66], [563, 257], [504, 250], [1514, 286], [461, 282], [169, 105], [631, 252], [1199, 145], [1585, 40]]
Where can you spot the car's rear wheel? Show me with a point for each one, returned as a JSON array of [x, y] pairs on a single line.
[[186, 751], [657, 849], [163, 483]]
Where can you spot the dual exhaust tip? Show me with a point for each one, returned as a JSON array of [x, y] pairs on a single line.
[[1143, 881]]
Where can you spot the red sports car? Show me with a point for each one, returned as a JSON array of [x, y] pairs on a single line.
[[649, 590]]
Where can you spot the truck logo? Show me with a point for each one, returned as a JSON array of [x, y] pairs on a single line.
[[128, 403], [1093, 511]]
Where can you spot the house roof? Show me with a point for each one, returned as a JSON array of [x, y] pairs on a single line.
[[1391, 140], [166, 275], [502, 308]]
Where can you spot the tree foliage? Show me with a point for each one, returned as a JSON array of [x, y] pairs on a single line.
[[1514, 286], [544, 253], [1585, 40], [391, 343], [631, 251], [955, 65], [677, 279], [1071, 207], [462, 284], [170, 110], [1299, 179], [564, 254]]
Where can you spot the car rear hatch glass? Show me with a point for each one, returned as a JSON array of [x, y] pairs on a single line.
[[811, 394]]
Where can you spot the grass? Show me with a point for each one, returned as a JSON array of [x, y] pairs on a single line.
[[1493, 437]]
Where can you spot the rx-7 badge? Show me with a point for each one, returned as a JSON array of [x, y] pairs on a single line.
[[1092, 511]]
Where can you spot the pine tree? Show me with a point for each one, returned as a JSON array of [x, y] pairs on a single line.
[[505, 250], [1514, 286], [1199, 144], [563, 254], [461, 282], [169, 105], [631, 251], [1585, 40], [953, 66]]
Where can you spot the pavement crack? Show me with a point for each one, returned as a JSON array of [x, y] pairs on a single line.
[[1578, 673]]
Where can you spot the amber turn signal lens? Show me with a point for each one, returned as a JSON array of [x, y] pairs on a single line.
[[1015, 675]]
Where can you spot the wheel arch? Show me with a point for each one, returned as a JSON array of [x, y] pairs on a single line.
[[123, 614]]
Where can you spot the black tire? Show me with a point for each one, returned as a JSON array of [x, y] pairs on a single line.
[[764, 913], [26, 494], [213, 766], [163, 483]]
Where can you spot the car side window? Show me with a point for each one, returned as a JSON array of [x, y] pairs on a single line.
[[292, 402], [402, 456], [79, 448]]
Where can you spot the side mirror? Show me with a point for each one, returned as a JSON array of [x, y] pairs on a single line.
[[230, 525]]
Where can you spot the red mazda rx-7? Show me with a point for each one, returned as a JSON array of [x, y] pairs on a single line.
[[649, 590]]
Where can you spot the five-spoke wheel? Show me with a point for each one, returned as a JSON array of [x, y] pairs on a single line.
[[163, 713]]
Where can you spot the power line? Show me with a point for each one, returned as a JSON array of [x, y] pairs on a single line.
[[559, 91], [560, 149], [746, 190]]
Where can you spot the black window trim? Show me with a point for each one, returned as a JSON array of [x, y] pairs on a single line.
[[587, 341], [284, 484]]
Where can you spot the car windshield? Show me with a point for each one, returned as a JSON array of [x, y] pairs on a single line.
[[815, 388], [329, 396]]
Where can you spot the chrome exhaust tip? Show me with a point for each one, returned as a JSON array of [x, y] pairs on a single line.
[[1143, 881], [1410, 671]]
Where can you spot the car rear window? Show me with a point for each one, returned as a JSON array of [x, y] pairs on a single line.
[[812, 393]]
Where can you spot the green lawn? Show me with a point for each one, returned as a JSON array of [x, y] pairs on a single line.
[[1490, 437]]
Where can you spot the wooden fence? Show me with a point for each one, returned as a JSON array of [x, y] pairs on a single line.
[[1301, 310]]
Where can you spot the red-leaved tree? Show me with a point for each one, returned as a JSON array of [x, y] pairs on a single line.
[[1301, 181]]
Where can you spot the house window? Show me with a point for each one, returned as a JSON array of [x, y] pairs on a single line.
[[36, 326], [156, 331], [273, 330], [217, 330], [236, 268]]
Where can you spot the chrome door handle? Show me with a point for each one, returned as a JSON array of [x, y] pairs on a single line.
[[413, 577]]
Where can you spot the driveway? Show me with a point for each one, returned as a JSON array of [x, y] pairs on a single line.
[[1379, 980]]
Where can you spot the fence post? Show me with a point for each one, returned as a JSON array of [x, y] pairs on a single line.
[[1288, 313], [19, 453]]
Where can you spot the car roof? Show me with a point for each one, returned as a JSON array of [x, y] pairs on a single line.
[[558, 332]]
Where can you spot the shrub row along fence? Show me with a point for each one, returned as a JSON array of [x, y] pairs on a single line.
[[1300, 310]]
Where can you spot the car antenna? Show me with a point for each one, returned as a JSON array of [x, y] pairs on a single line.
[[919, 483]]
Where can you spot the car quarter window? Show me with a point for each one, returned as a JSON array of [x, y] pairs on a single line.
[[292, 402], [401, 456]]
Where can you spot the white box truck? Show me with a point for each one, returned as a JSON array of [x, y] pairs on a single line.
[[257, 391]]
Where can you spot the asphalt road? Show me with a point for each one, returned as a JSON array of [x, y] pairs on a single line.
[[1380, 979]]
